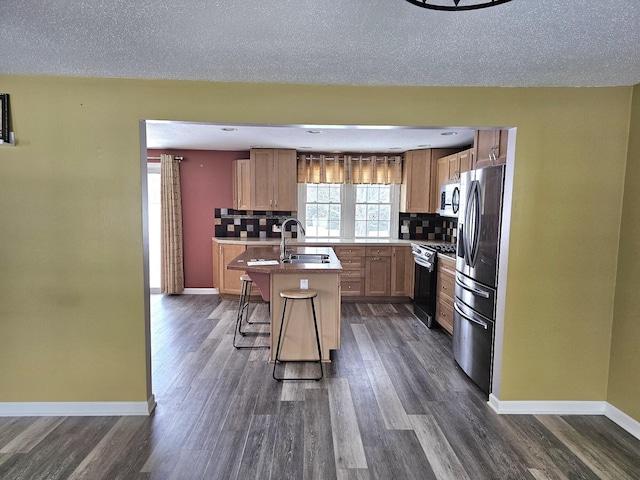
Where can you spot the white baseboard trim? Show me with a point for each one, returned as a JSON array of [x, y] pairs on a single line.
[[200, 291], [620, 418], [526, 407], [77, 409]]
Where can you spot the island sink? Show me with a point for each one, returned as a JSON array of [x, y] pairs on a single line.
[[307, 258]]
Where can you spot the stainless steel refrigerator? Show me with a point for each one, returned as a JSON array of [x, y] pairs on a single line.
[[474, 313]]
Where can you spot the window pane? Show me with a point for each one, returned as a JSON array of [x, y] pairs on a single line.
[[385, 212], [334, 196], [361, 193], [372, 194], [372, 212], [312, 193], [385, 194]]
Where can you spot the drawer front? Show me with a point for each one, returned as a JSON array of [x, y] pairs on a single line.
[[352, 272], [378, 251], [444, 314], [351, 287], [446, 284], [352, 262], [349, 252]]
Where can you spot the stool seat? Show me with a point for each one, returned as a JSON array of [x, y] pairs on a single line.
[[299, 294], [245, 278]]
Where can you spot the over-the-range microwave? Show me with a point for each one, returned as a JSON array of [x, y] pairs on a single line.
[[450, 200]]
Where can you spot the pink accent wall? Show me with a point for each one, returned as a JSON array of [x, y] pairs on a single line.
[[206, 183]]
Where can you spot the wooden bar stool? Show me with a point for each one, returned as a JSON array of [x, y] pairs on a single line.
[[244, 313], [297, 295]]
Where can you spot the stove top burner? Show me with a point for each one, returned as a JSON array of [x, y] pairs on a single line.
[[442, 248]]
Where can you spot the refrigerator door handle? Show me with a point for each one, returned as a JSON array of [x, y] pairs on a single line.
[[466, 317], [475, 291], [475, 204]]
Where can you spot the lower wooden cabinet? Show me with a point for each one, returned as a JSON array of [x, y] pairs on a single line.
[[445, 292], [402, 271], [353, 268], [368, 271], [228, 281]]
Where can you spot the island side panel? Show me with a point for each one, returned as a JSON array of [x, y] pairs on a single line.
[[299, 342]]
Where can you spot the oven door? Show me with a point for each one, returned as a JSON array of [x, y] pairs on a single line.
[[424, 287]]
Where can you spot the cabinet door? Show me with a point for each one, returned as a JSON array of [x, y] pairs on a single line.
[[285, 177], [443, 173], [378, 281], [229, 279], [241, 184], [485, 144], [261, 178], [465, 159], [490, 148], [415, 191], [454, 168], [402, 272]]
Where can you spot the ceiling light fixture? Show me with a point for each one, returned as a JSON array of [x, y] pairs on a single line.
[[466, 4], [314, 132], [229, 129]]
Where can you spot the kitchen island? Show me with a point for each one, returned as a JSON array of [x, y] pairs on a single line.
[[322, 274]]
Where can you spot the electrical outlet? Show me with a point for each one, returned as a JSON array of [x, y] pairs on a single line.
[[304, 284], [276, 229], [404, 229]]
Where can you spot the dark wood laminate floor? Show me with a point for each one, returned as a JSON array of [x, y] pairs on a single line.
[[392, 405]]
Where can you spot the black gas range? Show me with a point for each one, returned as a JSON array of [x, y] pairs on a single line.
[[425, 257]]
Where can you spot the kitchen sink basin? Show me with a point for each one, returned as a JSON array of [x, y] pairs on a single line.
[[307, 258]]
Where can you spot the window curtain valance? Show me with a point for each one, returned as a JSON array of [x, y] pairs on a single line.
[[356, 169]]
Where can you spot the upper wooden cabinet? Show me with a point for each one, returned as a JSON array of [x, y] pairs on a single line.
[[273, 179], [415, 191], [465, 161], [490, 148], [451, 166], [419, 192], [241, 184]]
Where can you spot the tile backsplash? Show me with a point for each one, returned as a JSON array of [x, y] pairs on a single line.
[[259, 224], [427, 226], [249, 223]]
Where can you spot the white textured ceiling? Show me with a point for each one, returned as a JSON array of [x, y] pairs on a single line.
[[304, 138], [350, 42]]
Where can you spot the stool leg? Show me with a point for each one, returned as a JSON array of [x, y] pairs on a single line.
[[315, 324], [247, 304], [244, 304], [238, 328], [277, 355]]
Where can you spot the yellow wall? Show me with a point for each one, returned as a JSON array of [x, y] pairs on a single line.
[[71, 292], [624, 382]]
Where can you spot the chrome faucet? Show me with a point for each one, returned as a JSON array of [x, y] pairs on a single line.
[[283, 240]]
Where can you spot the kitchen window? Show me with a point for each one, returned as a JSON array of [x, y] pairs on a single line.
[[347, 210]]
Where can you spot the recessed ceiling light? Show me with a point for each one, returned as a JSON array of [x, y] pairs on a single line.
[[256, 146], [228, 129], [424, 146], [449, 133], [314, 131], [304, 147], [395, 148]]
